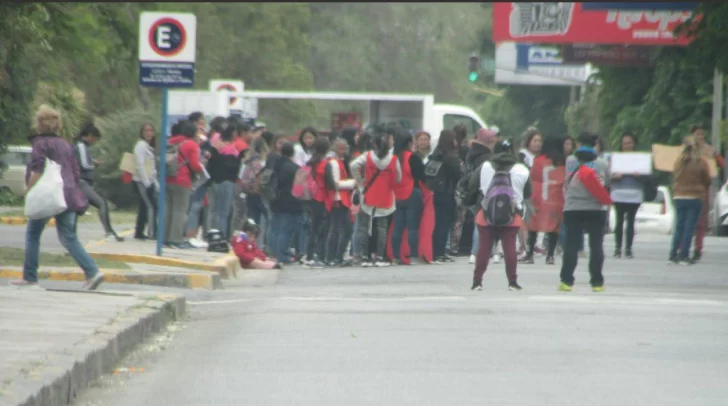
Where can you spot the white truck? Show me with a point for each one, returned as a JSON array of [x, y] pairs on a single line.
[[419, 110]]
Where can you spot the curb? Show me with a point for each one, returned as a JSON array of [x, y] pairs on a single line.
[[190, 281], [221, 266], [19, 221], [62, 376]]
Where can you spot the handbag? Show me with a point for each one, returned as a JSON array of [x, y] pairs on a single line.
[[46, 198]]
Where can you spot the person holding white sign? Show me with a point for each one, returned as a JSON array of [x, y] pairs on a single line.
[[627, 192]]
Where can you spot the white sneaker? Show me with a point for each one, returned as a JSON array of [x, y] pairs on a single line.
[[472, 259], [366, 264], [197, 243], [496, 259], [382, 264]]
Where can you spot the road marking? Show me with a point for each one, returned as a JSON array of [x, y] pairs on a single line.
[[103, 241], [214, 302], [339, 299]]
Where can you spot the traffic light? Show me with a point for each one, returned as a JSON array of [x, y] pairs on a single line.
[[473, 68]]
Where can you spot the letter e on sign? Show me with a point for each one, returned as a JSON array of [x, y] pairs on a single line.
[[167, 37]]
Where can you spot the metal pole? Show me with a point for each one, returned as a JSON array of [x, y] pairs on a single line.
[[715, 130], [162, 172]]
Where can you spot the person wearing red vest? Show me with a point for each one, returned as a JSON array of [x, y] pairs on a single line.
[[377, 174], [409, 197], [317, 208], [338, 202]]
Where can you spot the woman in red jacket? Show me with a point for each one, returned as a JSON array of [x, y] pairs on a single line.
[[547, 174], [317, 209], [179, 186], [339, 184], [247, 251]]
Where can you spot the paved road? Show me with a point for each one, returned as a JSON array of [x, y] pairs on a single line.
[[418, 336], [13, 236]]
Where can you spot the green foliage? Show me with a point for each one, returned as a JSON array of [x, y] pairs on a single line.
[[119, 134], [69, 102], [8, 198]]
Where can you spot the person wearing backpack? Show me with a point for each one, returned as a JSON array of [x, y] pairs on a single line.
[[586, 202], [183, 160], [505, 185], [339, 184], [442, 173], [248, 185], [377, 175], [408, 194], [286, 210]]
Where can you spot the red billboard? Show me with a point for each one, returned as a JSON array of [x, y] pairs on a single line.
[[569, 23]]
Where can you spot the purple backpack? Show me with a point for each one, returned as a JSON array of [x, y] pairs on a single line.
[[498, 202]]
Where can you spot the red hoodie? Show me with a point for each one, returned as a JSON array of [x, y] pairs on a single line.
[[246, 250], [190, 153]]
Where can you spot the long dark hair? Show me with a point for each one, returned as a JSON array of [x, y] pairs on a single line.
[[366, 143], [153, 141], [218, 125], [311, 131], [553, 149], [320, 149], [529, 135], [381, 145], [348, 134], [446, 143], [228, 131], [402, 142]]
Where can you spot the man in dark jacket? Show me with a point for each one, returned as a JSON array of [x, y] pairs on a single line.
[[287, 210]]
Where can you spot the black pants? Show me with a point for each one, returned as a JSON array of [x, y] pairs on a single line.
[[339, 233], [630, 210], [552, 238], [319, 228], [95, 200], [576, 222], [147, 213], [445, 212], [371, 236]]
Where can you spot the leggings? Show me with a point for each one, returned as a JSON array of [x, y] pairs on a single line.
[[630, 210], [339, 233], [95, 200], [553, 238], [319, 229], [147, 214], [486, 241]]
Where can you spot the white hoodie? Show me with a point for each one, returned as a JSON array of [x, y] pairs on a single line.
[[357, 168]]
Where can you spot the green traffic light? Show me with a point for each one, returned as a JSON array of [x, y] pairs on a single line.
[[473, 76]]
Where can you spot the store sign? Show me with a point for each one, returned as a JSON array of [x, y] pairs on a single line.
[[570, 23], [528, 64], [639, 5], [609, 55]]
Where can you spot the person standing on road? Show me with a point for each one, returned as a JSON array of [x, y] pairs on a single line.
[[480, 151], [316, 246], [88, 136], [585, 208], [146, 183], [706, 151], [532, 145], [179, 187], [627, 192], [443, 185], [377, 174], [568, 151], [223, 167], [422, 145], [339, 184], [502, 167], [47, 144], [286, 209], [691, 180], [257, 207]]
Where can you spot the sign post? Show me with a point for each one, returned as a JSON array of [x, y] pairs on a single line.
[[167, 45]]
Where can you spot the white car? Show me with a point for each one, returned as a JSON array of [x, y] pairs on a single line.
[[719, 213], [14, 161], [656, 216]]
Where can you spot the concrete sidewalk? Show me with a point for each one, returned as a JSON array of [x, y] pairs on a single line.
[[55, 343]]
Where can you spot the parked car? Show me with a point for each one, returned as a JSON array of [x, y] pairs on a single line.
[[652, 217], [14, 161], [719, 213]]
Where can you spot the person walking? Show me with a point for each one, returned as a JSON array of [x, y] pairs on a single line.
[[501, 177], [627, 192], [691, 180], [87, 137], [146, 184], [585, 208], [48, 145]]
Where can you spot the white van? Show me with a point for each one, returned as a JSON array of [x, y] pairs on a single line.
[[13, 162]]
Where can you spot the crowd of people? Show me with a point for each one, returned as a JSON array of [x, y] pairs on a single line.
[[389, 197]]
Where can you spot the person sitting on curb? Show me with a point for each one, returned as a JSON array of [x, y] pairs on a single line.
[[248, 253]]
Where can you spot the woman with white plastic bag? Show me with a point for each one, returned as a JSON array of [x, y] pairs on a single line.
[[53, 156]]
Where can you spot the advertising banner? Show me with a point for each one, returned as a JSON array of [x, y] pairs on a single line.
[[639, 5], [528, 64], [609, 55], [569, 23]]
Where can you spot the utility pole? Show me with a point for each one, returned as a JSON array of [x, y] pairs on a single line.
[[715, 131]]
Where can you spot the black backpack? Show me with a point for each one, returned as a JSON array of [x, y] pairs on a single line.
[[464, 194], [268, 179], [434, 176]]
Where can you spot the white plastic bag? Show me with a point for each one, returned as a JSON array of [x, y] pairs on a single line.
[[45, 199]]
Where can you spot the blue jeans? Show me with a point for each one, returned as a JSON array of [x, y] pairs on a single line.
[[302, 234], [408, 214], [686, 221], [193, 213], [223, 202], [283, 227], [66, 229], [258, 212]]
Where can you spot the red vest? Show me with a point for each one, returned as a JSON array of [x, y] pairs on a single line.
[[380, 194], [344, 194], [403, 190], [319, 176]]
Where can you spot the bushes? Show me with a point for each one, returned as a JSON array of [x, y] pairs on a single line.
[[119, 133]]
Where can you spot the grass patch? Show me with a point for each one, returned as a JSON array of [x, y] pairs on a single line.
[[91, 216], [16, 257]]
